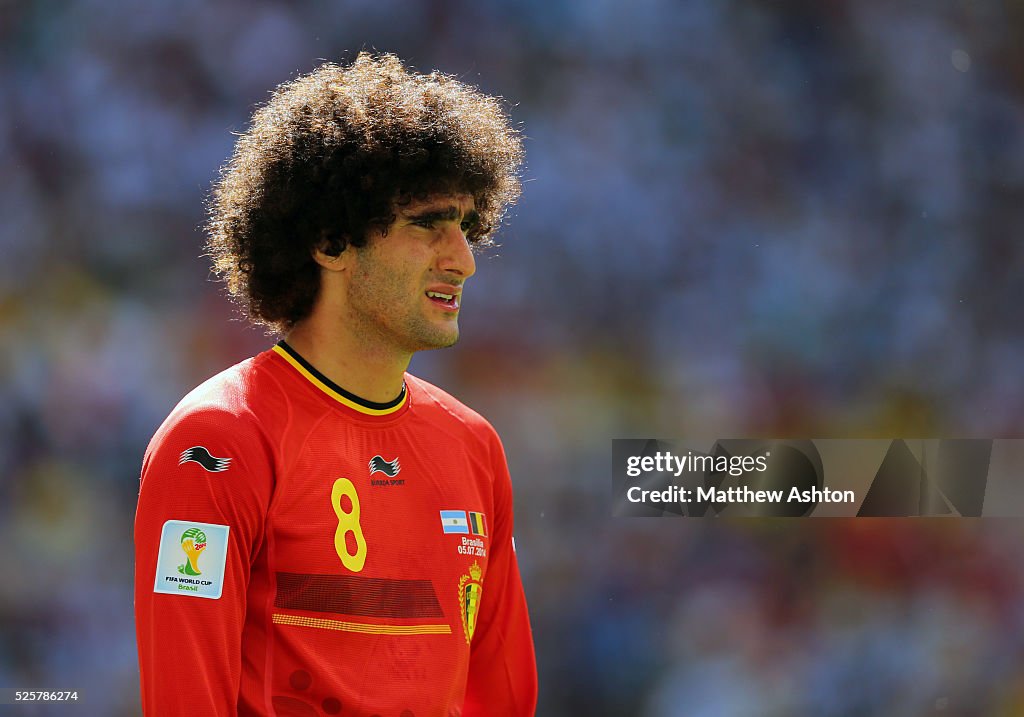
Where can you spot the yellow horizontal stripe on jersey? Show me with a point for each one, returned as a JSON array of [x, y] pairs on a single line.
[[361, 626], [334, 394]]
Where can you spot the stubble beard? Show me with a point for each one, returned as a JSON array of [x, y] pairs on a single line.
[[406, 331], [383, 310], [425, 336]]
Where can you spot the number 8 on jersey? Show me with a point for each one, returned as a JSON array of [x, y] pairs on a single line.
[[348, 522]]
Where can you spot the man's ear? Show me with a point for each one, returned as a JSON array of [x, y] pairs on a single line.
[[332, 254]]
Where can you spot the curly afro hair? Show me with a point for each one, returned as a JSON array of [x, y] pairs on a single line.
[[329, 157]]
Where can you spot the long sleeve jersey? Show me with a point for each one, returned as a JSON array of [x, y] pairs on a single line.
[[302, 552]]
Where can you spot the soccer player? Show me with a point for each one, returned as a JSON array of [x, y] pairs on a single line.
[[319, 532]]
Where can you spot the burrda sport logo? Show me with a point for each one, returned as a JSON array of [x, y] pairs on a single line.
[[193, 543], [388, 468]]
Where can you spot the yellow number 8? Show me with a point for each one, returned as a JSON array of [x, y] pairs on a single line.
[[348, 523]]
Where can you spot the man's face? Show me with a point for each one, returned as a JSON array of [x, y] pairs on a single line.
[[406, 285]]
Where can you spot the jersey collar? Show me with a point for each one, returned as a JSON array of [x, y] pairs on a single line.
[[335, 391]]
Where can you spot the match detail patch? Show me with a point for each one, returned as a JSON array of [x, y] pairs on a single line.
[[463, 521], [191, 559], [199, 454]]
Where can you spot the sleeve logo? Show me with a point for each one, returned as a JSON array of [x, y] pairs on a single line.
[[199, 454], [192, 541]]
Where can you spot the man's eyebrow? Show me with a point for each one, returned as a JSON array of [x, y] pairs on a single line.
[[447, 214]]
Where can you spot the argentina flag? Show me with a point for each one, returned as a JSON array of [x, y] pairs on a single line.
[[454, 521]]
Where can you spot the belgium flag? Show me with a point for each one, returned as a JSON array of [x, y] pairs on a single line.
[[476, 524]]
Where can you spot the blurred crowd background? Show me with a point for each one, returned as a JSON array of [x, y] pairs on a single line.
[[739, 219]]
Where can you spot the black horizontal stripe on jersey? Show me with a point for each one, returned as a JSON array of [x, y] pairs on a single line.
[[356, 595]]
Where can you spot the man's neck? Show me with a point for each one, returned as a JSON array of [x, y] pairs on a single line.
[[359, 367]]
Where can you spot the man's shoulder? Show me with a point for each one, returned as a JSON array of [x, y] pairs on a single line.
[[221, 424], [228, 393], [429, 399], [232, 400]]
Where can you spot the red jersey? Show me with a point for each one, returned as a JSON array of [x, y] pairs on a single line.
[[300, 551]]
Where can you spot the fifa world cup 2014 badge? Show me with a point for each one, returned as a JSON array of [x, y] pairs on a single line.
[[193, 543], [470, 590], [205, 548]]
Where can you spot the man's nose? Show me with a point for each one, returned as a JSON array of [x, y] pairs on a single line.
[[456, 256]]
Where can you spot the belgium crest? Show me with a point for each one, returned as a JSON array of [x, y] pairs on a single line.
[[470, 590]]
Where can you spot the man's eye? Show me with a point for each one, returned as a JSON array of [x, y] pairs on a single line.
[[425, 223]]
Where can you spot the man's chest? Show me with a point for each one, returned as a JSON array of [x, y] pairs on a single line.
[[384, 524]]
